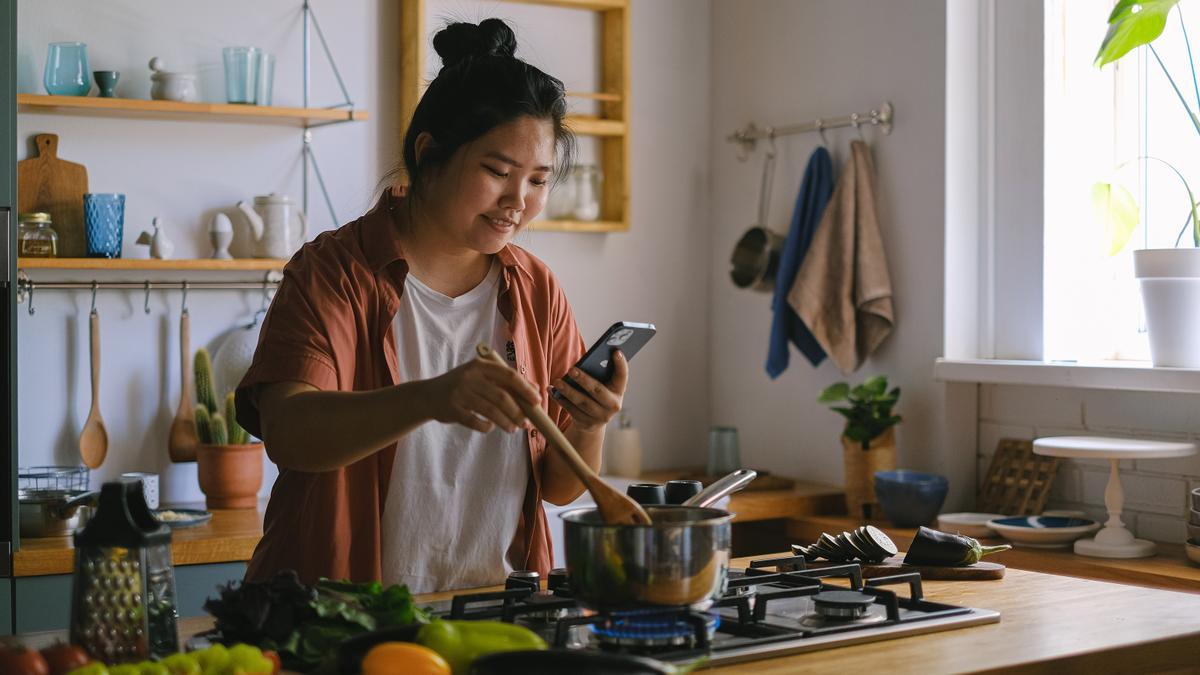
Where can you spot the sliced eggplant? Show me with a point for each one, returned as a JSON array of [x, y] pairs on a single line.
[[881, 540], [853, 545], [874, 554]]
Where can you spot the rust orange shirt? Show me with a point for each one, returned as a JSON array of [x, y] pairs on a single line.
[[330, 326]]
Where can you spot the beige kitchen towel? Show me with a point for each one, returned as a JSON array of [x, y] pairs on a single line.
[[843, 291]]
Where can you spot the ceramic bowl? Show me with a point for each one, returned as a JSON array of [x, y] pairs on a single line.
[[1196, 499], [1193, 531], [910, 498], [1194, 517], [1192, 547], [1043, 531], [970, 524], [166, 86]]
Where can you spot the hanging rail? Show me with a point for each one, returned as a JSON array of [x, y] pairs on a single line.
[[747, 136], [26, 287]]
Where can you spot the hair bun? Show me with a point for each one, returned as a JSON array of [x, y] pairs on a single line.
[[461, 41]]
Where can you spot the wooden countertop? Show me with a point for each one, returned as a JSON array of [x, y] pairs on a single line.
[[230, 536], [1169, 569], [1048, 624]]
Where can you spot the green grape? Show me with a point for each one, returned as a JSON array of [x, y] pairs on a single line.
[[213, 659], [182, 664], [152, 668], [93, 668], [124, 669], [247, 659]]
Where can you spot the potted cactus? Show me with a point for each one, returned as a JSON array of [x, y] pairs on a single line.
[[229, 465]]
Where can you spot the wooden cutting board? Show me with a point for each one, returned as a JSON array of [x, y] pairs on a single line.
[[47, 183], [980, 571]]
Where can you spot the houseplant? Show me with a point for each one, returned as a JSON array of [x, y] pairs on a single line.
[[868, 439], [228, 464], [1169, 278]]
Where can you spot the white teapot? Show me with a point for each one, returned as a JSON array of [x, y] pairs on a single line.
[[271, 225]]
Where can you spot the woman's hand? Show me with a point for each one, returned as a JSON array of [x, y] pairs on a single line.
[[602, 402], [481, 394]]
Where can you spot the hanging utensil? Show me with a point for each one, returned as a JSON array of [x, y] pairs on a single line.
[[615, 508], [182, 441], [93, 440], [755, 257]]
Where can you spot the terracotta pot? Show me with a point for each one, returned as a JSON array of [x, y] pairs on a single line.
[[230, 475], [861, 466]]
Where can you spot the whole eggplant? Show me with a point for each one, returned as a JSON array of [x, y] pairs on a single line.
[[931, 547]]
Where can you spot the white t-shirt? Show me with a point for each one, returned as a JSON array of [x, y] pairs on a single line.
[[455, 494]]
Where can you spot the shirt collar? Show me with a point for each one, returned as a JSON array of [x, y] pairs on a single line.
[[383, 246]]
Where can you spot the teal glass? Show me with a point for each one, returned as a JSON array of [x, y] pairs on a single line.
[[266, 78], [67, 71], [104, 224], [724, 453], [241, 74]]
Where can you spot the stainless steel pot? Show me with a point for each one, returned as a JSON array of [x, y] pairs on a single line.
[[681, 559], [52, 513]]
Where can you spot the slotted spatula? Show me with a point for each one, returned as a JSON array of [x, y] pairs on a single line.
[[614, 507]]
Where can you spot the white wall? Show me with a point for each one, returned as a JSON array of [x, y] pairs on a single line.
[[776, 62], [187, 171]]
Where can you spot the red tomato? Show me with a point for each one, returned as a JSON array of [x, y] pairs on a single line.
[[22, 661], [274, 657], [62, 658]]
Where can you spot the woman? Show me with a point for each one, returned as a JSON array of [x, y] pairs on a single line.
[[402, 456]]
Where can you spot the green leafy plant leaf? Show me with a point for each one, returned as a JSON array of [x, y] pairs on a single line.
[[1133, 23], [834, 393], [1116, 208]]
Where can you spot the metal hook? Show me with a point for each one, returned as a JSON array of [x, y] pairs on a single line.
[[771, 138], [29, 290], [95, 287], [857, 126], [183, 303], [821, 130], [146, 304]]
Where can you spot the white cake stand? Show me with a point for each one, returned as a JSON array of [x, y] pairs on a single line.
[[1114, 540]]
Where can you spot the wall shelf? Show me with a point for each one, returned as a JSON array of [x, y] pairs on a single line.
[[578, 226], [132, 107], [593, 5], [198, 264], [595, 126]]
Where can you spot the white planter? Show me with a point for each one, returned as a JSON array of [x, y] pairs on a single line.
[[1170, 283]]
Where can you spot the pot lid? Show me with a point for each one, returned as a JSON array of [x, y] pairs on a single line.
[[273, 198]]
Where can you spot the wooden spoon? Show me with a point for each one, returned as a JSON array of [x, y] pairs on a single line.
[[615, 508], [182, 442], [93, 440]]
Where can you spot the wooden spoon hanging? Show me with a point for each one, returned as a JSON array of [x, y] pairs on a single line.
[[615, 508], [182, 442], [93, 440]]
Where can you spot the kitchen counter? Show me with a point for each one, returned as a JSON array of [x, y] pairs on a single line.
[[230, 536], [1169, 569], [1048, 624]]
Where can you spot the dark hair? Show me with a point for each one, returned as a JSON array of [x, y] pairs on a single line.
[[481, 86]]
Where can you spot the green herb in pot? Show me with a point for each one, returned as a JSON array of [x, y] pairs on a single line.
[[931, 547]]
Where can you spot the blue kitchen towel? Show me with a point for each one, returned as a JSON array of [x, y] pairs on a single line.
[[815, 191]]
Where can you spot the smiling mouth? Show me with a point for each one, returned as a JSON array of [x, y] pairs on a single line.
[[501, 223]]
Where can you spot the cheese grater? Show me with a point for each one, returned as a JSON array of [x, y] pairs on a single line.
[[123, 596]]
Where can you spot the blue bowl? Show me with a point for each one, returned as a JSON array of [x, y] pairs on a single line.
[[910, 498]]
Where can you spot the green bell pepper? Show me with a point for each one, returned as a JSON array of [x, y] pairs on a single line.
[[461, 642]]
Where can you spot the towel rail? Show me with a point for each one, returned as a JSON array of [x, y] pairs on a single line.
[[747, 136]]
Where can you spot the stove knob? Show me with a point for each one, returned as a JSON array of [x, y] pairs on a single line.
[[557, 579], [523, 579]]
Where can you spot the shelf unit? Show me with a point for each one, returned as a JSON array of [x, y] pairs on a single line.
[[610, 127], [150, 264], [141, 108]]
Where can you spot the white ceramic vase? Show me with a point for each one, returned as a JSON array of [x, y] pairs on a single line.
[[1170, 283]]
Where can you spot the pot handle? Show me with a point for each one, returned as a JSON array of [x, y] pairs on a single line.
[[68, 508], [725, 486]]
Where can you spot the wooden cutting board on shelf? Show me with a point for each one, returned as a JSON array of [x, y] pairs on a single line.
[[56, 186]]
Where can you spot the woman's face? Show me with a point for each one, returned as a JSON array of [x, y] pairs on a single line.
[[494, 185]]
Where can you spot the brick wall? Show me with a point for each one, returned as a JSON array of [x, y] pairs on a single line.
[[1156, 490]]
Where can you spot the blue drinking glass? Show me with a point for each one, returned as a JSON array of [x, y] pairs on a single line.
[[67, 70], [266, 78], [241, 74], [104, 224]]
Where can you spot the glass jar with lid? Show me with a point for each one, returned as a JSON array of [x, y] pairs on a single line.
[[36, 237]]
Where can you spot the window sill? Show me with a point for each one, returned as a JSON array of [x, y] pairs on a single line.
[[1126, 375]]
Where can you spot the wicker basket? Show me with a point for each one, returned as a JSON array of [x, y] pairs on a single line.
[[861, 466]]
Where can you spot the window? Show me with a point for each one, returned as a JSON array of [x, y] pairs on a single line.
[[1105, 126]]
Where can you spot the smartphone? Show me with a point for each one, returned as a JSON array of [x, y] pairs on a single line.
[[627, 336]]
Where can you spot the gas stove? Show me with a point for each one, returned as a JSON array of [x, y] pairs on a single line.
[[772, 608]]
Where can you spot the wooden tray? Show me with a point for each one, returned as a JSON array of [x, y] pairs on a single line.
[[55, 186], [980, 571]]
